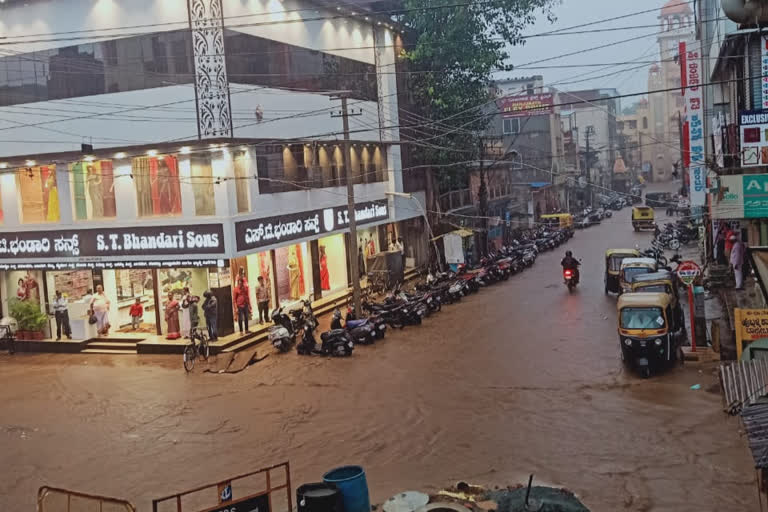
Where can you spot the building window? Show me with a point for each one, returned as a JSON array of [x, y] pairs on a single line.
[[158, 190], [511, 126], [201, 177], [633, 125], [93, 190], [645, 123], [39, 194], [242, 162]]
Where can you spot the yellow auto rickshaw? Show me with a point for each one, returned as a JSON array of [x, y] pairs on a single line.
[[631, 267], [613, 259], [642, 218], [650, 334], [558, 220], [663, 281]]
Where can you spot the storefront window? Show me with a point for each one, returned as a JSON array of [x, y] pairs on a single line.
[[158, 188], [173, 281], [242, 162], [132, 285], [93, 189], [24, 285], [368, 239], [202, 184], [333, 264], [38, 193], [293, 273]]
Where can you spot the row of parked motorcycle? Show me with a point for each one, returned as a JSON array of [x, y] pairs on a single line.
[[675, 234], [399, 308]]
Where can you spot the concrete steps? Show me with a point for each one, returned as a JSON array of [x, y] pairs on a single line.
[[111, 346], [108, 351]]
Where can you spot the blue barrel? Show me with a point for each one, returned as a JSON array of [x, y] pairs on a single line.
[[351, 481]]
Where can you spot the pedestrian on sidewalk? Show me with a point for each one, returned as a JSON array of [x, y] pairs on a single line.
[[737, 261], [61, 312], [211, 313], [137, 314], [262, 300], [243, 304]]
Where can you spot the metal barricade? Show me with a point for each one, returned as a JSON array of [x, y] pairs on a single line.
[[236, 493], [51, 499]]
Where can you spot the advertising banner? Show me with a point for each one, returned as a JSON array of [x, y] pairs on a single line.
[[255, 233], [750, 325], [694, 125], [104, 243], [743, 196], [754, 137], [527, 105], [764, 69]]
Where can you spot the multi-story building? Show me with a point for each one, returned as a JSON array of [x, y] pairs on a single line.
[[634, 128], [676, 24], [155, 144]]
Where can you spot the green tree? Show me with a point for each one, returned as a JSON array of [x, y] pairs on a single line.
[[456, 46]]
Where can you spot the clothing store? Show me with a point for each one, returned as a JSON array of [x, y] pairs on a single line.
[[304, 255], [134, 267]]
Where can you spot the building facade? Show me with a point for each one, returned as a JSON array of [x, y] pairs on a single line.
[[635, 144], [198, 147]]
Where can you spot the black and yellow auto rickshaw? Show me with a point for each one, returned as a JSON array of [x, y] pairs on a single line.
[[642, 218], [630, 267], [663, 281], [613, 259], [650, 334]]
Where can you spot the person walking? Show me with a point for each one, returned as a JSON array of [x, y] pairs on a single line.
[[137, 314], [243, 304], [100, 304], [61, 312], [211, 314], [262, 300], [737, 261]]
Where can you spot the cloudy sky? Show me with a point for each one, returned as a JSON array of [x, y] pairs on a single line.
[[593, 68]]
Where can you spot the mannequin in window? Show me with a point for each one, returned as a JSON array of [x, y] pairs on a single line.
[[294, 274], [95, 191], [325, 279], [53, 198]]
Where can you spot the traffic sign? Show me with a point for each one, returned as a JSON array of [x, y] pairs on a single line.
[[688, 271]]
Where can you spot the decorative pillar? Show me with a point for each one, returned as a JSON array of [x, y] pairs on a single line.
[[214, 109]]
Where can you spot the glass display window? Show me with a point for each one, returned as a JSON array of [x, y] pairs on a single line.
[[158, 189], [332, 256], [93, 190], [202, 184], [38, 194], [73, 284], [25, 285], [293, 273]]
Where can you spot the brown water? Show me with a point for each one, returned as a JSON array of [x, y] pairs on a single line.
[[520, 378]]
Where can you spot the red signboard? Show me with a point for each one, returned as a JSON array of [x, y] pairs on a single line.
[[527, 105]]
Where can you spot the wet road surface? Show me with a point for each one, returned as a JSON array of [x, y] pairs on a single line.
[[520, 378]]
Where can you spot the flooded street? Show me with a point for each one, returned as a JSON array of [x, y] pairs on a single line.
[[520, 378]]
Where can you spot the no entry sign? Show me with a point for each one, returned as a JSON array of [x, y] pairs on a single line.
[[688, 271]]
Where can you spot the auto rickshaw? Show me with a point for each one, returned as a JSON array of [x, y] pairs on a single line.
[[613, 259], [631, 267], [650, 334], [642, 218], [558, 220], [663, 281]]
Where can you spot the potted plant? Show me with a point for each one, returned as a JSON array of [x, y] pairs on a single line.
[[29, 317]]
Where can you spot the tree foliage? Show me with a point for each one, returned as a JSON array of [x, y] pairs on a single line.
[[457, 46]]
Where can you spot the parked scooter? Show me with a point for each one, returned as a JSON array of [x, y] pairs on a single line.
[[334, 343], [282, 335]]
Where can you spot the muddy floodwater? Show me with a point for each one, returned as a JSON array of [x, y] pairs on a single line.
[[520, 378]]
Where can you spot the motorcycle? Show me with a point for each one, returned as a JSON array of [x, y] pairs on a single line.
[[571, 280], [334, 343], [282, 335]]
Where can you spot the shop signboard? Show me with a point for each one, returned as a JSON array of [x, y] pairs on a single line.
[[694, 124], [526, 105], [764, 69], [750, 325], [147, 242], [688, 271], [743, 196], [256, 233], [753, 125], [119, 265]]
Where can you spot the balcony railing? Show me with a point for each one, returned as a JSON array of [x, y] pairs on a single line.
[[455, 199]]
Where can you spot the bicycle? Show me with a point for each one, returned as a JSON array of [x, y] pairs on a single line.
[[194, 350]]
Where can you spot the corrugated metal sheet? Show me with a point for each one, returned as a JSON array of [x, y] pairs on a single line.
[[743, 383], [755, 418]]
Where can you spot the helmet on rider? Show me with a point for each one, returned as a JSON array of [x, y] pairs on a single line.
[[568, 254]]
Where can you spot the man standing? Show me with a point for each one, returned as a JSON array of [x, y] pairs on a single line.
[[243, 304], [262, 300], [737, 262], [211, 313], [401, 248], [61, 313]]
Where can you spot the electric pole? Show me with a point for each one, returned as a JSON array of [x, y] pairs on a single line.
[[353, 262], [590, 132], [482, 196]]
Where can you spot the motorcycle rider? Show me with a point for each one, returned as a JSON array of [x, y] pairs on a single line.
[[571, 263]]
